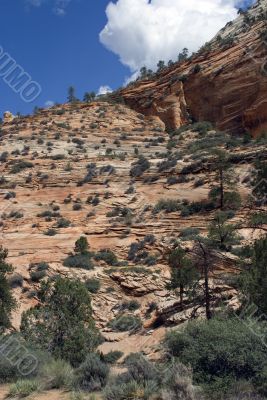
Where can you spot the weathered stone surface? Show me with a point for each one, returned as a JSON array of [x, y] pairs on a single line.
[[230, 90]]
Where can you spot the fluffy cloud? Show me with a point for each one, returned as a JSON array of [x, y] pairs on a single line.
[[141, 32], [104, 90]]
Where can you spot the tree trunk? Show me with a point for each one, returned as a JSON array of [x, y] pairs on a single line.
[[182, 296], [207, 291], [206, 280], [221, 189]]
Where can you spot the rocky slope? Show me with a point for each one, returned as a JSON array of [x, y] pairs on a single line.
[[225, 82], [71, 171]]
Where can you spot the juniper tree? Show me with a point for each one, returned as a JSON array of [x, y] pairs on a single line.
[[224, 176], [254, 280], [259, 183], [89, 96], [160, 65], [204, 262], [81, 245], [62, 323], [183, 273], [221, 233], [71, 95], [7, 301]]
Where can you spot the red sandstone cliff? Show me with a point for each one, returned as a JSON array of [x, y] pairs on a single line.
[[228, 87]]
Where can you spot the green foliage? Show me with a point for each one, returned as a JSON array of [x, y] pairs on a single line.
[[220, 350], [20, 165], [92, 374], [79, 261], [196, 68], [260, 183], [167, 205], [19, 357], [257, 220], [112, 357], [93, 285], [63, 322], [189, 233], [144, 380], [7, 301], [23, 388], [131, 305], [82, 258], [222, 234], [63, 223], [224, 173], [107, 256], [15, 280], [56, 374], [36, 276], [89, 96], [254, 281], [81, 245], [183, 273], [125, 322], [139, 167], [231, 199], [128, 391], [71, 95]]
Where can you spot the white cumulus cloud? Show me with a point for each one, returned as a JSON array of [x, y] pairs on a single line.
[[104, 90], [141, 32]]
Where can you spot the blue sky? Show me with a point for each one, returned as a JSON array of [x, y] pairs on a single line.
[[57, 43]]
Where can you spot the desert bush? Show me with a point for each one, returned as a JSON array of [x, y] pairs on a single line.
[[15, 280], [50, 232], [107, 256], [79, 261], [257, 219], [125, 322], [23, 388], [131, 305], [128, 391], [112, 357], [92, 374], [172, 180], [140, 381], [56, 374], [77, 207], [93, 285], [167, 205], [220, 351], [36, 276], [20, 165], [232, 200], [63, 223], [188, 233], [57, 157], [48, 214], [139, 167]]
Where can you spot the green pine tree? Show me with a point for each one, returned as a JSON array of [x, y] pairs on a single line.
[[7, 301], [62, 324]]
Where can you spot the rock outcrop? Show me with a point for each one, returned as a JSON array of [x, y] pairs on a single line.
[[224, 83]]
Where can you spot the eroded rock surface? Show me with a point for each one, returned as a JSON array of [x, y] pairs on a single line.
[[225, 82]]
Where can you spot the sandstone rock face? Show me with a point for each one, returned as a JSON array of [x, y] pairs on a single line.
[[66, 172], [224, 83]]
